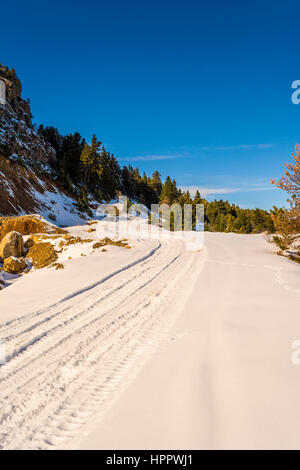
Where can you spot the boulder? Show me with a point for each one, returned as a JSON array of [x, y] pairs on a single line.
[[42, 254], [29, 243], [14, 265], [11, 245]]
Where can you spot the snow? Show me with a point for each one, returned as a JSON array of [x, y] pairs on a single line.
[[80, 273], [171, 344], [84, 265], [60, 205], [222, 378]]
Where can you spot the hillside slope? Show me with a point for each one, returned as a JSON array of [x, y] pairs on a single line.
[[23, 191]]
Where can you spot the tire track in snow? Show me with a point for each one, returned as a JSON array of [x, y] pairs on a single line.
[[31, 318], [56, 364], [19, 339], [66, 332], [99, 384]]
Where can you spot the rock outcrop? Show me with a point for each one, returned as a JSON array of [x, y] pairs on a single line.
[[17, 133], [14, 265], [42, 255], [11, 245]]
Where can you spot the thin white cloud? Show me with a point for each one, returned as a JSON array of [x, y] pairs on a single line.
[[238, 147], [204, 191], [151, 158], [191, 153], [261, 188], [209, 191]]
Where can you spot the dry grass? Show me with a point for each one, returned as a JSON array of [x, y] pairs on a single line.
[[57, 266], [73, 241], [14, 265], [35, 238], [26, 225], [50, 237], [117, 211], [42, 254], [107, 241], [291, 257], [67, 236]]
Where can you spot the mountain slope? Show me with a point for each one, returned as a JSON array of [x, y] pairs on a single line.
[[24, 191]]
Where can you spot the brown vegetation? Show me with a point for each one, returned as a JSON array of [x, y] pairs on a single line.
[[57, 266], [42, 254], [73, 240], [14, 265], [26, 225], [107, 241], [287, 221], [290, 182]]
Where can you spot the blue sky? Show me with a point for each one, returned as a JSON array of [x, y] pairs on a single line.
[[199, 90]]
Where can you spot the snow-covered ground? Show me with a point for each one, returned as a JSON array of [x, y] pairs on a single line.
[[157, 346]]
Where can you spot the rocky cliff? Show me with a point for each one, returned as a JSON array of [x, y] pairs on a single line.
[[17, 133]]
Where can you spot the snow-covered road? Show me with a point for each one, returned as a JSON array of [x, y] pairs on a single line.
[[180, 350], [67, 362], [223, 378]]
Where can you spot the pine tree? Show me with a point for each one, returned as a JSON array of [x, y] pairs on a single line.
[[242, 223], [229, 223], [156, 185], [91, 163], [290, 182], [287, 222], [169, 192], [86, 162], [197, 198]]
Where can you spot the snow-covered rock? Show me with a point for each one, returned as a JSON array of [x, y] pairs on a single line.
[[14, 265]]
